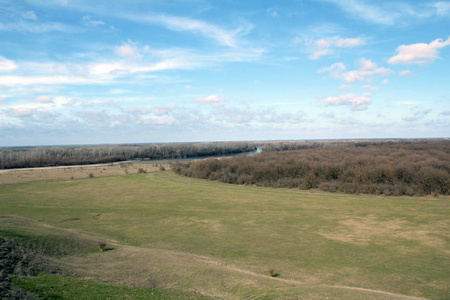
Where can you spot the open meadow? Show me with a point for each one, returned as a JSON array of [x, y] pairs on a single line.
[[166, 231]]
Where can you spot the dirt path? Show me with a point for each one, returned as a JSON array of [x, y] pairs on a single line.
[[296, 282]]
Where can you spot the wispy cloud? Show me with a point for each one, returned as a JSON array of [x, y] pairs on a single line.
[[442, 8], [127, 59], [7, 65], [176, 23], [392, 12], [36, 27], [30, 15], [89, 21], [419, 53], [50, 80], [417, 114], [363, 10], [272, 12]]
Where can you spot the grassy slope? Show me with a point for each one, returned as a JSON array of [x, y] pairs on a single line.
[[49, 286], [398, 245]]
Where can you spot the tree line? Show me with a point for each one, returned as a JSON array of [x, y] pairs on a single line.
[[31, 157], [390, 168]]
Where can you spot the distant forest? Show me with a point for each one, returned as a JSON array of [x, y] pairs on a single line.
[[80, 155], [391, 168]]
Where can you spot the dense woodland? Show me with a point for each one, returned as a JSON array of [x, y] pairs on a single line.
[[80, 155], [390, 168]]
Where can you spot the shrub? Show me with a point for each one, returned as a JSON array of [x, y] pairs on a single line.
[[273, 273], [102, 246]]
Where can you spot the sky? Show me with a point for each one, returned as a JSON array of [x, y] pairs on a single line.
[[157, 71]]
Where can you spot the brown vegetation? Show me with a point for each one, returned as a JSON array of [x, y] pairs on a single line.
[[402, 168]]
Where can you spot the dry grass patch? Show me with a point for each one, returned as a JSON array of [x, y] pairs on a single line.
[[368, 230], [69, 173]]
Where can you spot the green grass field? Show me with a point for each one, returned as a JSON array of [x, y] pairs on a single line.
[[168, 231]]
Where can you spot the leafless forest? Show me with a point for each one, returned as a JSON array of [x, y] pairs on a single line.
[[31, 157], [389, 168]]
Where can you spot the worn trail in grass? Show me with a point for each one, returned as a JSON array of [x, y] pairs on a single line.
[[395, 245]]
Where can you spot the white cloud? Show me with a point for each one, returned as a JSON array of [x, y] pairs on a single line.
[[7, 65], [88, 21], [29, 15], [164, 109], [320, 52], [324, 46], [385, 81], [406, 73], [349, 42], [163, 121], [356, 102], [20, 112], [137, 110], [214, 100], [128, 49], [44, 99], [367, 69], [419, 53]]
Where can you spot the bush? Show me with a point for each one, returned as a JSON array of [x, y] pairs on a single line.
[[273, 273]]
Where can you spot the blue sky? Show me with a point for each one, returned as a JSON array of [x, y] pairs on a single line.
[[89, 72]]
